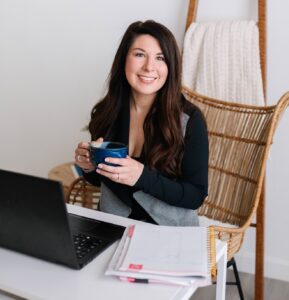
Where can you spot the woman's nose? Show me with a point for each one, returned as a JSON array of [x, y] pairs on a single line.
[[149, 64]]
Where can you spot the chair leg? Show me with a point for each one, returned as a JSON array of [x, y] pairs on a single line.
[[233, 263]]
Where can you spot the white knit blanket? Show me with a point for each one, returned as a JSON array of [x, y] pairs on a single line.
[[222, 60]]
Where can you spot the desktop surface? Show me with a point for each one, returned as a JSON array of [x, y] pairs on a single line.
[[33, 278]]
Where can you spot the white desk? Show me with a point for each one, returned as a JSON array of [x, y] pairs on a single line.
[[33, 278]]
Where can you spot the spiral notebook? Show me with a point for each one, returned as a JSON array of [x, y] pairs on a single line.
[[165, 254]]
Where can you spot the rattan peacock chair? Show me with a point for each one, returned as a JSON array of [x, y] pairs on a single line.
[[239, 140]]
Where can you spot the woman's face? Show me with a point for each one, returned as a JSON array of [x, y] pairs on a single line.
[[145, 67]]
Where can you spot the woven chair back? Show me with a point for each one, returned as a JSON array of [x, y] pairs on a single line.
[[239, 138], [83, 194]]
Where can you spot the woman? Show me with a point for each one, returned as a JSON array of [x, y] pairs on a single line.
[[164, 179]]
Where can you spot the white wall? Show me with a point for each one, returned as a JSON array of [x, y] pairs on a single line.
[[55, 57]]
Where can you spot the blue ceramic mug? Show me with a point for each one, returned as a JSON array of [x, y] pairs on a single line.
[[99, 151]]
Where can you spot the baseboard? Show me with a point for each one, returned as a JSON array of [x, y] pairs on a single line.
[[274, 267]]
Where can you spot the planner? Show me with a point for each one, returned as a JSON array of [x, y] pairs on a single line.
[[164, 254]]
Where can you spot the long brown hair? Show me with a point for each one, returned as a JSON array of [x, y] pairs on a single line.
[[163, 145]]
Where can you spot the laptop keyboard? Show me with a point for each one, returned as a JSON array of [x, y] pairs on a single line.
[[84, 244]]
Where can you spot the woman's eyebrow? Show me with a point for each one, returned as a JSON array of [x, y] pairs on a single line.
[[140, 49]]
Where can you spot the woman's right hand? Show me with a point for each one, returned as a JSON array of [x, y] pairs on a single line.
[[82, 156]]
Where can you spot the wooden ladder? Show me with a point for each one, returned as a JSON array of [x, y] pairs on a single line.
[[260, 220]]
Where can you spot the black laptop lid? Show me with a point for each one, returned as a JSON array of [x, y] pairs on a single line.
[[33, 218]]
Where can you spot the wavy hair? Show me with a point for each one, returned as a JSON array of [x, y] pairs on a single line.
[[163, 139]]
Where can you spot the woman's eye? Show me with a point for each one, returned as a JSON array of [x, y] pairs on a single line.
[[161, 58], [139, 54]]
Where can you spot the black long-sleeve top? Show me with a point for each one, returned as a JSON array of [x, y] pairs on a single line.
[[188, 191]]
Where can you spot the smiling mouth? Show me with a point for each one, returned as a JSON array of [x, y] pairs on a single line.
[[147, 79]]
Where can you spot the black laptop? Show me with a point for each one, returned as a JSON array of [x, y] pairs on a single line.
[[34, 221]]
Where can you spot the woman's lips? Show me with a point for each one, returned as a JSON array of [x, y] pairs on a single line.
[[147, 79]]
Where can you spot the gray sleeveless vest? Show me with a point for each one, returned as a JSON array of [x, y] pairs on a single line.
[[161, 212]]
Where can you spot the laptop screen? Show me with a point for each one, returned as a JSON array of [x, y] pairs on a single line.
[[34, 220]]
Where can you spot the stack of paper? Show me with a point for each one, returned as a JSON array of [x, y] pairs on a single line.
[[163, 254]]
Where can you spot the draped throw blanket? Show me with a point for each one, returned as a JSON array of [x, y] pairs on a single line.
[[222, 60]]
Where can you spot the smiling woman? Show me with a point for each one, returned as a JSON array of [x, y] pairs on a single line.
[[145, 69], [164, 179]]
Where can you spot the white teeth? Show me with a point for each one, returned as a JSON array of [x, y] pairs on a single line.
[[147, 78]]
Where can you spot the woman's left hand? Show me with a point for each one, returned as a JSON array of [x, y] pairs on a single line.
[[127, 172]]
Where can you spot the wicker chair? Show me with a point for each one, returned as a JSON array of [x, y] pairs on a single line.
[[83, 194], [239, 140]]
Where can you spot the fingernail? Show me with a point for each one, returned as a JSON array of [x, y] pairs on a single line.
[[99, 166], [107, 159]]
